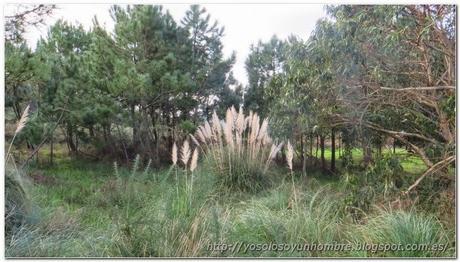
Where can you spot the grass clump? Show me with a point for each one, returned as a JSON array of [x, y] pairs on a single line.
[[17, 204], [239, 150], [417, 234]]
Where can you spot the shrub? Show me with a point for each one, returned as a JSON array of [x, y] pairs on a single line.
[[238, 149], [380, 181]]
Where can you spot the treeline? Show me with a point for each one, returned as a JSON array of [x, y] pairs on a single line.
[[369, 76], [366, 76], [123, 93]]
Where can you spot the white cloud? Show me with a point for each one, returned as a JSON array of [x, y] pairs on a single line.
[[245, 24]]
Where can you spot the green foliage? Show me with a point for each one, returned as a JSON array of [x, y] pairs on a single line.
[[188, 127], [148, 77], [384, 178]]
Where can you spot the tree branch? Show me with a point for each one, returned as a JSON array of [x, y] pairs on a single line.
[[421, 88], [439, 165]]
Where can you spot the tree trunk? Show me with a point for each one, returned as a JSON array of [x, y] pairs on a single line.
[[91, 131], [317, 146], [51, 149], [302, 150], [156, 141], [311, 144], [135, 125], [333, 149], [70, 142], [340, 146], [323, 160], [304, 158], [367, 151]]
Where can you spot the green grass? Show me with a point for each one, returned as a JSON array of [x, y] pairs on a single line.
[[411, 163], [86, 210]]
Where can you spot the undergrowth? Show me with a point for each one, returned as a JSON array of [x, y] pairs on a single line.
[[128, 212]]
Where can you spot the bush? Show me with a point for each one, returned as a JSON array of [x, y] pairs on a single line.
[[239, 150], [381, 180]]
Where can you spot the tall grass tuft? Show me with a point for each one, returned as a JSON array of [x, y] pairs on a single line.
[[238, 149], [417, 233]]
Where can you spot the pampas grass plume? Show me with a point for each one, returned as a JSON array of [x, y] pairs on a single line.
[[174, 154], [194, 162], [185, 152], [289, 155]]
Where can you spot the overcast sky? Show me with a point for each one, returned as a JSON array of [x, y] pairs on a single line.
[[245, 24]]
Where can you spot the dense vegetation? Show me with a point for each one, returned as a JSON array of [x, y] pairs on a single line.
[[140, 142]]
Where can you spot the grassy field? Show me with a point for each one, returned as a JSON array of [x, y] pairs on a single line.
[[90, 209], [411, 163]]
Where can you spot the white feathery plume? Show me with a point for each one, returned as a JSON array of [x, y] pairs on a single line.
[[266, 140], [22, 122], [289, 155], [208, 130], [193, 163], [254, 128], [174, 154], [216, 125], [194, 140], [272, 152], [263, 129], [185, 152], [240, 121], [228, 127], [200, 135], [234, 114], [278, 148]]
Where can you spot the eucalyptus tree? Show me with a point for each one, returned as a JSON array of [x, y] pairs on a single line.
[[403, 80], [291, 99]]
